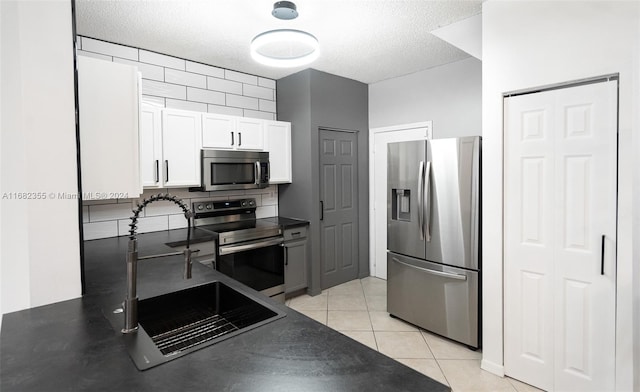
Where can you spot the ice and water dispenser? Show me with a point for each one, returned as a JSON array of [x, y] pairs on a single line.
[[401, 204]]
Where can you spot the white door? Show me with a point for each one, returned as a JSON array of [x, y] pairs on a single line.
[[560, 237], [378, 185], [181, 143]]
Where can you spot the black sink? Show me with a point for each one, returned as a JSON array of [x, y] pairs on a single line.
[[175, 324]]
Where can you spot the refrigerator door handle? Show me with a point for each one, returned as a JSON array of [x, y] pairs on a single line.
[[427, 204], [433, 272], [420, 199]]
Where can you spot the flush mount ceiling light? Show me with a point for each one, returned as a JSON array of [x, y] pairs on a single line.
[[284, 48], [284, 10]]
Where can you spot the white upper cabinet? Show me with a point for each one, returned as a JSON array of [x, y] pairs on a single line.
[[151, 146], [232, 133], [109, 107], [181, 144], [278, 143]]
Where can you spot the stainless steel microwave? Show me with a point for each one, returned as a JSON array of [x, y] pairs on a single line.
[[227, 170]]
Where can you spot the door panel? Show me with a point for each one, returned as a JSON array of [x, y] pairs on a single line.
[[339, 197], [403, 177], [452, 210], [438, 298], [560, 205]]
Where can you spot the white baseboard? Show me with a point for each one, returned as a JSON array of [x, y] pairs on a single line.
[[492, 367]]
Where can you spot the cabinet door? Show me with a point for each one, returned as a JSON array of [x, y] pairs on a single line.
[[250, 132], [150, 146], [109, 100], [278, 143], [218, 131], [295, 272], [181, 144]]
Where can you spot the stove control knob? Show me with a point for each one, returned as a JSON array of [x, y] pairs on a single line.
[[200, 207], [209, 206], [251, 202], [244, 203]]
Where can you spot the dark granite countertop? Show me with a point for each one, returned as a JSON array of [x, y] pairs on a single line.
[[287, 223], [70, 345]]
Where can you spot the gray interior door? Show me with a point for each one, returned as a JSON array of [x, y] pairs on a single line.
[[339, 207]]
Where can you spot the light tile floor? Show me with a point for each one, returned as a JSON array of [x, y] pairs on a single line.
[[358, 309]]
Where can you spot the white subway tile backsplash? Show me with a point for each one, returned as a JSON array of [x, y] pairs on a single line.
[[109, 49], [206, 96], [148, 71], [269, 199], [266, 211], [257, 91], [227, 86], [161, 59], [242, 102], [163, 208], [269, 83], [205, 69], [95, 55], [257, 114], [154, 101], [160, 89], [186, 105], [92, 231], [78, 42], [177, 222], [219, 109], [106, 212], [85, 214], [186, 78], [267, 106], [145, 225], [240, 77]]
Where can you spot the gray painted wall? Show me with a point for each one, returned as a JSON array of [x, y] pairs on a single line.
[[310, 100], [449, 95]]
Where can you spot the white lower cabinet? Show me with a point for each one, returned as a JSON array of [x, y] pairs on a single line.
[[170, 147], [278, 143]]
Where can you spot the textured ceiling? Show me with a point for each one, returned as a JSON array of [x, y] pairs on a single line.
[[365, 40]]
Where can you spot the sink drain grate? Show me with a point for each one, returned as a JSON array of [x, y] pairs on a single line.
[[196, 326]]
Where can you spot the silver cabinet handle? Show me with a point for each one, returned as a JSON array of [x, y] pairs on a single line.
[[157, 171], [239, 139], [166, 177], [420, 199], [427, 197], [432, 272], [229, 249], [232, 138], [286, 254]]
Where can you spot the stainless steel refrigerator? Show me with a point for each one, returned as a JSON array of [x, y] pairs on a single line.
[[433, 236]]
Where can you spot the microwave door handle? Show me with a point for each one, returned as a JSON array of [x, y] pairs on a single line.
[[258, 173]]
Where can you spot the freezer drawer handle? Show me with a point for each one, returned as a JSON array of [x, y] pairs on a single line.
[[432, 272]]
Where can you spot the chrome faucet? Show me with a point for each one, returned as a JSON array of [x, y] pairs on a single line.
[[130, 305]]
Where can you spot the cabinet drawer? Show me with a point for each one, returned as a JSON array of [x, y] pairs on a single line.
[[295, 233]]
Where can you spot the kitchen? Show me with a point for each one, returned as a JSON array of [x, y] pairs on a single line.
[[510, 62]]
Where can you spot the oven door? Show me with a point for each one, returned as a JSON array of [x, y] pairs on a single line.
[[258, 264]]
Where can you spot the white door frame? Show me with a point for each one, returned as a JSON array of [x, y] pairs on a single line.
[[401, 129]]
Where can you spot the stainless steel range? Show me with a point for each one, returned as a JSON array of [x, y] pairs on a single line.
[[247, 249]]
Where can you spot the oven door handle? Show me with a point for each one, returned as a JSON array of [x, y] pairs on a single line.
[[229, 249]]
